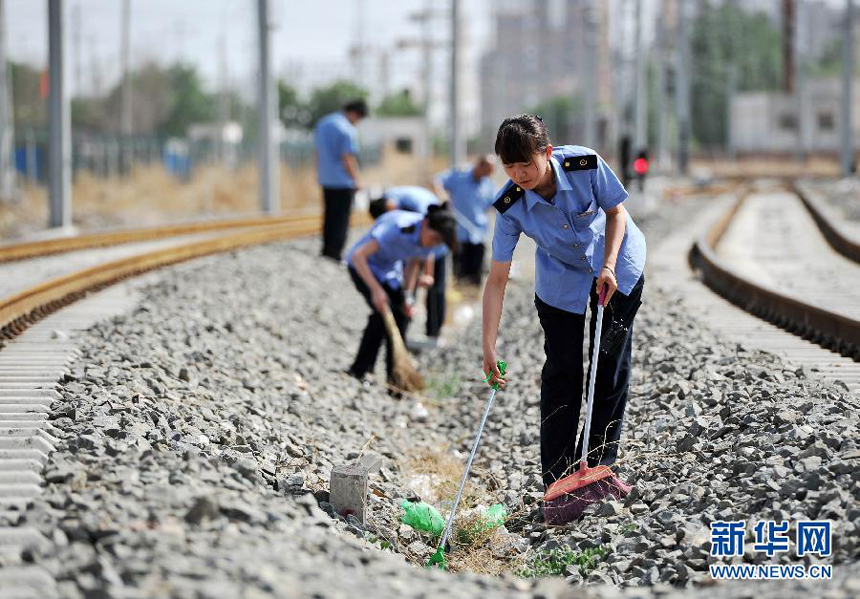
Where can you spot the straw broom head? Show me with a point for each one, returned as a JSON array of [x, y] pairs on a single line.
[[405, 375]]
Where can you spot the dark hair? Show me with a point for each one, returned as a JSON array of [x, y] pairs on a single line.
[[521, 137], [378, 207], [357, 106], [441, 219]]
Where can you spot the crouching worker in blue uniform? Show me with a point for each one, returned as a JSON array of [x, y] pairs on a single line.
[[384, 263], [570, 203], [419, 199]]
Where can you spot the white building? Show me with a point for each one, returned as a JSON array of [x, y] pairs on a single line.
[[408, 135], [775, 122]]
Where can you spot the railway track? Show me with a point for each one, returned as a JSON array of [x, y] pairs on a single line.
[[776, 255], [35, 348], [26, 305]]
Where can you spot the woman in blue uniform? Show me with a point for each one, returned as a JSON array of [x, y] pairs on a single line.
[[419, 199], [569, 202], [384, 262]]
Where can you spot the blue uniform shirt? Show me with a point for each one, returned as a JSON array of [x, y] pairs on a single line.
[[412, 198], [570, 233], [470, 199], [416, 199], [334, 136], [398, 233]]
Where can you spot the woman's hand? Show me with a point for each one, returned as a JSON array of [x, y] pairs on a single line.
[[490, 368], [379, 299], [408, 309], [607, 281], [426, 281]]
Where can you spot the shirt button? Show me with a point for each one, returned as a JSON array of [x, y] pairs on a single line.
[[575, 245], [583, 258], [591, 270], [565, 226]]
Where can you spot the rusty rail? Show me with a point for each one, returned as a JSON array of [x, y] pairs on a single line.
[[835, 332], [849, 248]]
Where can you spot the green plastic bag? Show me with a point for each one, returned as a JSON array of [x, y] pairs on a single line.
[[493, 518], [422, 516]]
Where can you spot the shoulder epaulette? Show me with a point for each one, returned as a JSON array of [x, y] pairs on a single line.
[[407, 230], [510, 196], [580, 163]]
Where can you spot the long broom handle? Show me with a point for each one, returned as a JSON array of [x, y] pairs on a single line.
[[592, 376], [466, 473]]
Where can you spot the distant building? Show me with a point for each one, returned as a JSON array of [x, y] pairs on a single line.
[[407, 135], [537, 54], [222, 140], [770, 122]]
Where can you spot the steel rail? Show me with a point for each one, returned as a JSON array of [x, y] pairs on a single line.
[[21, 309], [835, 332], [839, 241], [45, 247]]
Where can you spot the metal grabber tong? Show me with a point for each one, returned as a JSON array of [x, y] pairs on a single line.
[[438, 558]]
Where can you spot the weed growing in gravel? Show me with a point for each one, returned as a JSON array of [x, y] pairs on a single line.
[[556, 561], [443, 387], [629, 526], [383, 544]]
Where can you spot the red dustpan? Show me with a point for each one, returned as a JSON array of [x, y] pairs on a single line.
[[567, 498]]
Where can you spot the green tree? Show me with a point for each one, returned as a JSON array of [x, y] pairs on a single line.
[[331, 98], [562, 116], [399, 104], [189, 102], [726, 37], [30, 108], [293, 112]]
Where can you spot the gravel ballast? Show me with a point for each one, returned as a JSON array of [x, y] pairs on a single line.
[[198, 433]]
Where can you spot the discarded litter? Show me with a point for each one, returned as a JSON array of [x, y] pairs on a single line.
[[493, 517], [422, 516]]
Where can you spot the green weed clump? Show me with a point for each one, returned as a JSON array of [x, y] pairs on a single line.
[[556, 561], [444, 387]]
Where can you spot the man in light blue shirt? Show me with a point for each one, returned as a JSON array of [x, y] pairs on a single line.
[[471, 194], [336, 151], [570, 203]]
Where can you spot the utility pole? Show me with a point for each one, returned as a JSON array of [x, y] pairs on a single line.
[[660, 83], [682, 90], [76, 32], [7, 120], [427, 48], [788, 45], [269, 148], [847, 154], [361, 43], [589, 17], [125, 109], [59, 124], [800, 96], [457, 147], [640, 139]]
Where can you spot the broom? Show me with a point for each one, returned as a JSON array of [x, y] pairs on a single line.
[[404, 375], [567, 498]]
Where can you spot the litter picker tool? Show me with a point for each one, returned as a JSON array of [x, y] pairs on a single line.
[[567, 498], [438, 558]]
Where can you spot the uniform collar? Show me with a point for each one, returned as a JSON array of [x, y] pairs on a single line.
[[562, 184]]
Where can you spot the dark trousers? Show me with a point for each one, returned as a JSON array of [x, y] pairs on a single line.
[[375, 332], [436, 299], [469, 262], [338, 204], [561, 386]]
